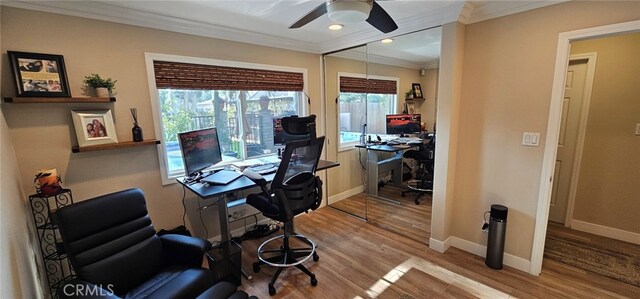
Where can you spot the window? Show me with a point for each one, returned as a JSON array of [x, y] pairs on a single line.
[[364, 101], [240, 100]]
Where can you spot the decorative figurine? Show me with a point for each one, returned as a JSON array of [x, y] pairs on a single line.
[[136, 130]]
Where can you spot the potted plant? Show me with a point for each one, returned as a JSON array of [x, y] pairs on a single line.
[[408, 95], [103, 87]]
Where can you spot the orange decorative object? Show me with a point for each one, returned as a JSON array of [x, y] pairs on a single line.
[[47, 181]]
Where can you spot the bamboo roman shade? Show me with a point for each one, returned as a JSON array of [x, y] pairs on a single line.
[[179, 75], [363, 85]]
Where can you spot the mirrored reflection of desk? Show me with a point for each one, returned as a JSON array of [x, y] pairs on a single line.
[[207, 191], [376, 166]]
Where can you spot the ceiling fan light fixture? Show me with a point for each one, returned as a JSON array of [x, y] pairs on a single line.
[[346, 12]]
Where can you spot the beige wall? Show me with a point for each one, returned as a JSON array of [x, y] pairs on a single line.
[[17, 257], [608, 189], [43, 133], [428, 106], [349, 159], [506, 87]]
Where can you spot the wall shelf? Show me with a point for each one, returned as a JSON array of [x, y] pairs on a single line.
[[110, 146], [19, 100]]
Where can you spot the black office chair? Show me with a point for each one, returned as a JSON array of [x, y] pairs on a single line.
[[295, 189], [424, 158], [115, 252]]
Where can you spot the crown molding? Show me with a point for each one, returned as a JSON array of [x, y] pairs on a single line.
[[464, 12], [103, 12], [485, 10]]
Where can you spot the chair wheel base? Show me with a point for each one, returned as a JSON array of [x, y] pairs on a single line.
[[316, 257], [256, 267], [272, 290], [314, 281]]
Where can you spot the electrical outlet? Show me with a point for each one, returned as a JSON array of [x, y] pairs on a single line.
[[638, 129], [485, 226]]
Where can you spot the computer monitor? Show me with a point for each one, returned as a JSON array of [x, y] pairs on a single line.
[[280, 137], [200, 149], [403, 124]]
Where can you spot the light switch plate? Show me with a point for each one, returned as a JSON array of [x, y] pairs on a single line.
[[531, 139], [638, 129]]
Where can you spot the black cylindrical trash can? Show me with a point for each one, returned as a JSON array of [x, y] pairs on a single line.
[[497, 232]]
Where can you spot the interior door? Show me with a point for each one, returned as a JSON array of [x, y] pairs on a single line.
[[572, 105]]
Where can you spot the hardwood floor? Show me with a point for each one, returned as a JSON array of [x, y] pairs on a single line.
[[360, 260], [405, 218]]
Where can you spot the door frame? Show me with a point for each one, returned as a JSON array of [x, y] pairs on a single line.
[[582, 131], [553, 128]]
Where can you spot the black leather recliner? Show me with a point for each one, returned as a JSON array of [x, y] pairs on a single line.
[[115, 252]]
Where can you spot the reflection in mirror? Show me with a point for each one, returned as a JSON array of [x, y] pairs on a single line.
[[369, 84], [348, 180], [401, 201]]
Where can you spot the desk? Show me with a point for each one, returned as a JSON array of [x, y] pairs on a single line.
[[206, 191], [375, 166]]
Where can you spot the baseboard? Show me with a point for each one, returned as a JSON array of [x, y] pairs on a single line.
[[236, 232], [481, 250], [606, 231], [340, 196], [440, 246]]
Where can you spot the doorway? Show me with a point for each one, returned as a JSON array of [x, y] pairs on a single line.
[[553, 131]]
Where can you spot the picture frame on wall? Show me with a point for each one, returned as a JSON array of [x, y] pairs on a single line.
[[94, 127], [39, 75], [411, 108], [417, 91]]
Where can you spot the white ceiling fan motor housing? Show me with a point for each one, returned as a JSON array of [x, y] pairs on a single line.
[[349, 11]]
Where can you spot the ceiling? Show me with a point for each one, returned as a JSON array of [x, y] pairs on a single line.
[[265, 22]]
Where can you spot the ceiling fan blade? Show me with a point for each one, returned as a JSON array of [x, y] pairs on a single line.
[[380, 19], [312, 15]]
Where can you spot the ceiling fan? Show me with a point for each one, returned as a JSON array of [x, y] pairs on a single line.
[[351, 11]]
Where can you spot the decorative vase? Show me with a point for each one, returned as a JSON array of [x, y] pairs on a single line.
[[137, 132], [102, 92], [47, 181]]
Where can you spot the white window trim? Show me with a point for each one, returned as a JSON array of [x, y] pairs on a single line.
[[155, 101], [347, 146]]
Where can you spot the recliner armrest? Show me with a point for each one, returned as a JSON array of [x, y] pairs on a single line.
[[184, 250], [78, 288]]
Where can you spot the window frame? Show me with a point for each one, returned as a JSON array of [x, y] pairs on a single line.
[[347, 146], [166, 178]]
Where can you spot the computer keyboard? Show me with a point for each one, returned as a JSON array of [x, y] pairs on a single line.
[[403, 140], [264, 168]]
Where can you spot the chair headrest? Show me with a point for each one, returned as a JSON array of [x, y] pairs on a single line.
[[295, 125]]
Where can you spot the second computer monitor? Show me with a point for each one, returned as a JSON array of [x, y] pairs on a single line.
[[403, 124]]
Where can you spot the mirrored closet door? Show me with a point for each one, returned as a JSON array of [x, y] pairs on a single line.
[[346, 118], [385, 95]]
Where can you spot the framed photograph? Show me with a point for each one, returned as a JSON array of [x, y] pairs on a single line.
[[417, 91], [94, 127], [411, 108], [38, 75]]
